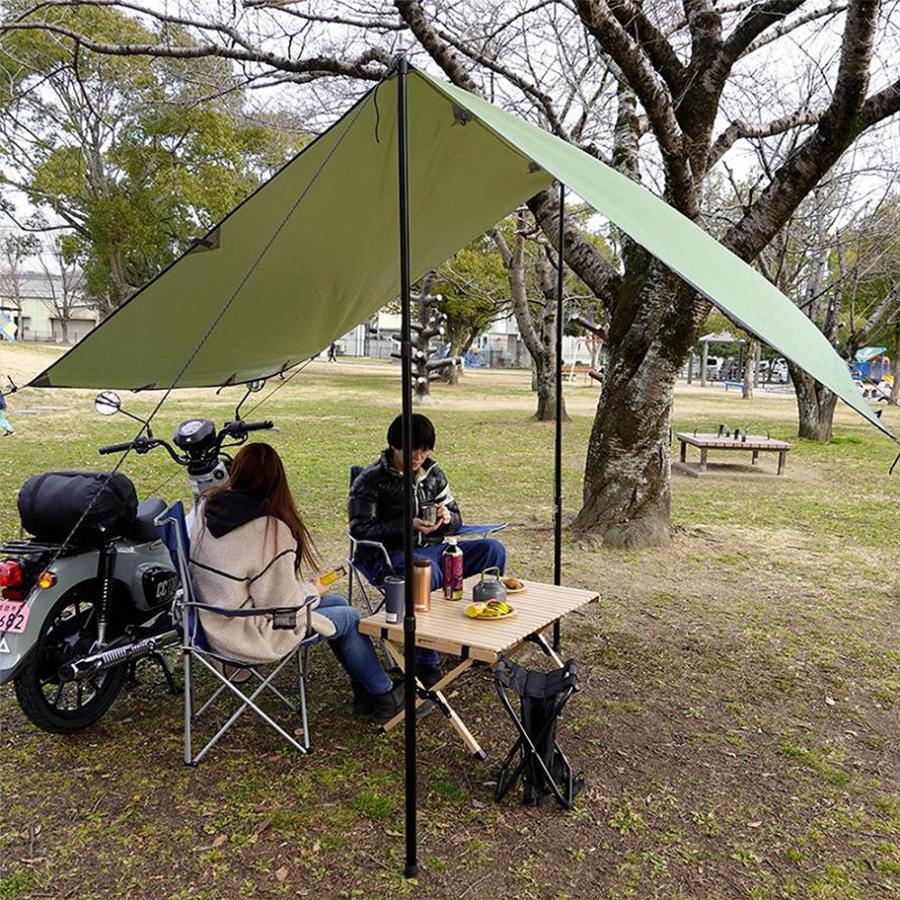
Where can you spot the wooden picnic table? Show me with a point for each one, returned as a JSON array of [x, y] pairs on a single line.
[[754, 442], [448, 629]]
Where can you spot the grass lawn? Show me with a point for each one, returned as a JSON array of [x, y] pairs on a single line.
[[739, 725]]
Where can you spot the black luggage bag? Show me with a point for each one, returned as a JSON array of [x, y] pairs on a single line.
[[102, 504]]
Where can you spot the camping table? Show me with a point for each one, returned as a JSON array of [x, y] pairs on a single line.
[[755, 443], [447, 629]]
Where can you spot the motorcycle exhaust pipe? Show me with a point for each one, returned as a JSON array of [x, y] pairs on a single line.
[[79, 669]]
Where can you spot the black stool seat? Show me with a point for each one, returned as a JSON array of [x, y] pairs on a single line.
[[535, 757]]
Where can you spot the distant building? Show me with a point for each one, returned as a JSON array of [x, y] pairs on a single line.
[[41, 303], [501, 346]]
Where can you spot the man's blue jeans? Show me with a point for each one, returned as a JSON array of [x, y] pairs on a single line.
[[477, 556], [354, 651]]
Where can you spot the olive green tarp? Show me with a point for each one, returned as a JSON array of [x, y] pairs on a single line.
[[315, 251]]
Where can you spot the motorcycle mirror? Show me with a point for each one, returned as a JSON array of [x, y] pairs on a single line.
[[253, 387], [107, 403]]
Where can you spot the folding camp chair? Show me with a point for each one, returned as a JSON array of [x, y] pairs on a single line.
[[195, 647], [369, 562], [535, 756]]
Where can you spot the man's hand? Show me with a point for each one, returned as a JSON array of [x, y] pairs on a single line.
[[443, 516], [426, 527]]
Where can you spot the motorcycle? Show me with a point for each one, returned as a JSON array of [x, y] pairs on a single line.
[[76, 617]]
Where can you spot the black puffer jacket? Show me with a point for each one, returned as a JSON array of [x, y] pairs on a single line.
[[376, 502]]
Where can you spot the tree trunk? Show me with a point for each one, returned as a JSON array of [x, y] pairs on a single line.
[[626, 486], [545, 378], [627, 495], [750, 369], [815, 405], [451, 374], [895, 367]]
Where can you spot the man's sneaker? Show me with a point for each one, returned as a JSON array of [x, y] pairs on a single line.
[[363, 701], [428, 675], [386, 706]]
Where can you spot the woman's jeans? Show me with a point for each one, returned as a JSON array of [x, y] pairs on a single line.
[[353, 650]]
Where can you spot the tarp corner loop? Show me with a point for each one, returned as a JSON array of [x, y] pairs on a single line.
[[461, 116], [209, 242]]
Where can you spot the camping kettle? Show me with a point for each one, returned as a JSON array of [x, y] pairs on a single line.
[[489, 588]]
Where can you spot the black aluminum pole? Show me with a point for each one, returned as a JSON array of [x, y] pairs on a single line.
[[557, 458], [409, 619]]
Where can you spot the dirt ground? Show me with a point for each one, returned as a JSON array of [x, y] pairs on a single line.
[[738, 721]]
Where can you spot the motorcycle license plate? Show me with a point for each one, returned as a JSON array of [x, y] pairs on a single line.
[[13, 617]]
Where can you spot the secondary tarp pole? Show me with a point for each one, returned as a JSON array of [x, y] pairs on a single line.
[[557, 457], [409, 619]]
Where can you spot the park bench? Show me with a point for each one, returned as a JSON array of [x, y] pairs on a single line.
[[756, 444]]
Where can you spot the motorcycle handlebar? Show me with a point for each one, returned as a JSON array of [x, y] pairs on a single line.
[[236, 429], [115, 448]]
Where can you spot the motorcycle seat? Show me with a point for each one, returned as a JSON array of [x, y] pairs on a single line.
[[143, 528]]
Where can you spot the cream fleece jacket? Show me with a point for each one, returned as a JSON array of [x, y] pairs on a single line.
[[257, 560]]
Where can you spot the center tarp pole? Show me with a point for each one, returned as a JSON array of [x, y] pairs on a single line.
[[557, 456], [409, 619]]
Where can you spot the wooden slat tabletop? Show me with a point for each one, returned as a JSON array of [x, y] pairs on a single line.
[[714, 441], [447, 628]]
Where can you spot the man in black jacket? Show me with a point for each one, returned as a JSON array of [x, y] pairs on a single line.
[[376, 514]]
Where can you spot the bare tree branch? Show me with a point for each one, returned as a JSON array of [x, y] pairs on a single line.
[[786, 27], [837, 129], [652, 94], [740, 129], [412, 13], [320, 65], [760, 17]]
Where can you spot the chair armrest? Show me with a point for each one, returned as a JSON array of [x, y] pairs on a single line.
[[253, 610], [356, 543], [479, 529]]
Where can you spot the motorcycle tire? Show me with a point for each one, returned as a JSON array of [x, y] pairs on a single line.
[[68, 632]]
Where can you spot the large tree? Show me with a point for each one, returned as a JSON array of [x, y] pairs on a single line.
[[130, 157], [668, 83]]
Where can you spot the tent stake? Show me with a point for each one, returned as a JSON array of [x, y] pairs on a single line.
[[557, 458], [409, 619]]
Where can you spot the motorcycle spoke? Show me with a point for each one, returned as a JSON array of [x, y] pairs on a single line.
[[79, 695], [58, 694]]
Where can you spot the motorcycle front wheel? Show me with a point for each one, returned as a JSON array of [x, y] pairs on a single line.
[[62, 707]]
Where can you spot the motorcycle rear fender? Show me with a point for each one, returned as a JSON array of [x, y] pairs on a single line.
[[15, 649], [72, 571]]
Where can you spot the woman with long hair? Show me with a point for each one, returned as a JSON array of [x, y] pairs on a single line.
[[250, 548]]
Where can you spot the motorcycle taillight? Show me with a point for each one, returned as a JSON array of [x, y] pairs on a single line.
[[12, 574], [12, 580]]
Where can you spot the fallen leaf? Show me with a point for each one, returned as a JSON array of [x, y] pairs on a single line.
[[219, 840], [754, 824], [281, 873], [317, 846], [829, 700]]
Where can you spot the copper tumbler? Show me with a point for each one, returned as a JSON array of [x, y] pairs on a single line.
[[422, 586]]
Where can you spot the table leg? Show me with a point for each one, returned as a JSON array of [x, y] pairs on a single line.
[[703, 452], [782, 459], [755, 457], [683, 451], [459, 726]]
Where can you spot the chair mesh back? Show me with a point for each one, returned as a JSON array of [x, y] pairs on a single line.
[[172, 529]]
